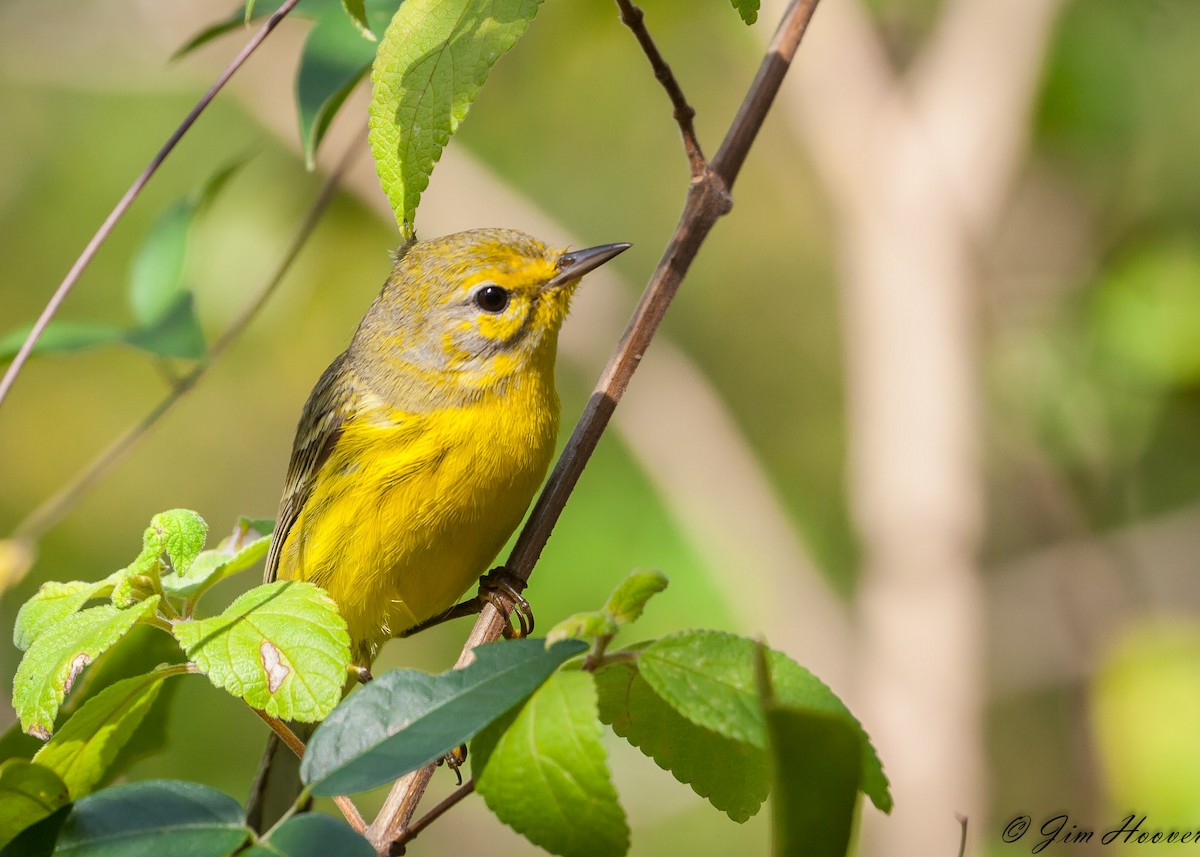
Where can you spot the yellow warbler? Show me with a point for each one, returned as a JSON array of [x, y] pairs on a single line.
[[421, 446]]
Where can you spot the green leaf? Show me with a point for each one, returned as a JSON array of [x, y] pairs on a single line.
[[52, 603], [590, 625], [732, 775], [282, 647], [709, 678], [262, 526], [182, 533], [152, 819], [212, 566], [629, 598], [748, 9], [176, 334], [817, 762], [59, 655], [235, 21], [28, 793], [551, 746], [311, 835], [61, 336], [335, 58], [431, 63], [156, 278], [357, 11], [85, 749], [405, 719], [39, 839]]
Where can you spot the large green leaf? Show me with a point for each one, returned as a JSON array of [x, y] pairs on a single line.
[[734, 776], [709, 678], [282, 647], [311, 835], [551, 746], [59, 655], [28, 793], [86, 749], [52, 603], [431, 63], [405, 719], [153, 819]]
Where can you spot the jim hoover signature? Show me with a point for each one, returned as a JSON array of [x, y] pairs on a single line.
[[1060, 829]]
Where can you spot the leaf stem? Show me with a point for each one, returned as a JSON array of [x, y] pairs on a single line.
[[110, 222], [707, 201]]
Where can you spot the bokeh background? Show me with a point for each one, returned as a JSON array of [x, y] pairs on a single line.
[[925, 415]]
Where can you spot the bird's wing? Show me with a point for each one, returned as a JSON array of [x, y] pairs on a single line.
[[329, 406]]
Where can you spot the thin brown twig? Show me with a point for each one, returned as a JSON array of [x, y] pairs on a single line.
[[707, 201], [288, 737], [52, 510], [634, 18], [114, 216], [434, 814]]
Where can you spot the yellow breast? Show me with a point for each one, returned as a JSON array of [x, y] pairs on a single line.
[[409, 509]]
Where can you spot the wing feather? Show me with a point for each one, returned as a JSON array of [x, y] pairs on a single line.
[[329, 406]]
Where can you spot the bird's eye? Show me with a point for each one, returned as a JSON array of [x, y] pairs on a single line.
[[491, 299]]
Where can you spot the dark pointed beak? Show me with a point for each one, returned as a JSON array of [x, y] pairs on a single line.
[[573, 265]]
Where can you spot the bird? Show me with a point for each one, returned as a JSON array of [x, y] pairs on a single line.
[[421, 446]]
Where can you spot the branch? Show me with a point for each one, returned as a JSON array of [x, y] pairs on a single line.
[[634, 18], [110, 222], [707, 200], [52, 510]]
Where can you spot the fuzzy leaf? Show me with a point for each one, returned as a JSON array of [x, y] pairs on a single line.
[[52, 603], [211, 567], [181, 532], [282, 647], [629, 598], [709, 677], [405, 719], [59, 655], [28, 793], [151, 819], [551, 746], [732, 775], [87, 747], [431, 63]]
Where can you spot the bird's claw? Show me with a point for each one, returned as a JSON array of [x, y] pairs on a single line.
[[502, 589]]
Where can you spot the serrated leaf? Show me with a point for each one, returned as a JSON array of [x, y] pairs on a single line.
[[405, 719], [816, 763], [629, 598], [732, 775], [60, 654], [28, 793], [747, 9], [61, 336], [282, 647], [311, 835], [86, 748], [431, 63], [709, 678], [551, 746], [589, 625], [212, 566], [152, 819], [182, 533], [52, 603]]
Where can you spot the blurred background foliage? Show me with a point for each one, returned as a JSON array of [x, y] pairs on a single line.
[[1088, 336]]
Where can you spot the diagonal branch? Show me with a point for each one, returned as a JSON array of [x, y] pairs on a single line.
[[110, 222], [634, 18], [707, 201]]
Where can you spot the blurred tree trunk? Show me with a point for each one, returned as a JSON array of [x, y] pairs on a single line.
[[918, 166]]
